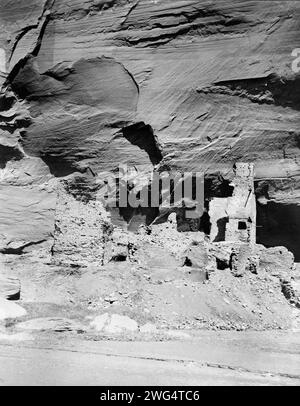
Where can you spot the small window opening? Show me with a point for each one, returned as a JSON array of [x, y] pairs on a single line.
[[242, 225]]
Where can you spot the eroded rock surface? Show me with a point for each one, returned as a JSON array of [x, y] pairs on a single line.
[[215, 77], [157, 85], [10, 288]]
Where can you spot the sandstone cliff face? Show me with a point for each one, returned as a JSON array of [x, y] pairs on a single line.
[[183, 84]]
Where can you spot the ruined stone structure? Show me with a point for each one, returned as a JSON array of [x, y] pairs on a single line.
[[84, 233], [80, 235], [241, 207], [234, 218]]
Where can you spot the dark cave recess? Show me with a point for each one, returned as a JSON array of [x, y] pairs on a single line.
[[278, 225]]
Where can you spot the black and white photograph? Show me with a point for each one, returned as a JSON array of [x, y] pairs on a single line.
[[149, 196]]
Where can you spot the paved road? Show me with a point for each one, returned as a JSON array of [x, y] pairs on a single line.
[[209, 359]]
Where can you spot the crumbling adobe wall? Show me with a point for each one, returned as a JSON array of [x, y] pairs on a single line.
[[226, 214], [84, 233], [242, 258], [218, 218], [242, 205], [81, 230]]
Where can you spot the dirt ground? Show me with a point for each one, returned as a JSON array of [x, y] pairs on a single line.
[[170, 298], [207, 358]]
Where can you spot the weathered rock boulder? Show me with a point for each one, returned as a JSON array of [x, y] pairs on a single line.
[[241, 258], [277, 260], [196, 255], [10, 310], [114, 324], [26, 217]]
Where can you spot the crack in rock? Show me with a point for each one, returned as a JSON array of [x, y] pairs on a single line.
[[19, 250], [272, 89]]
